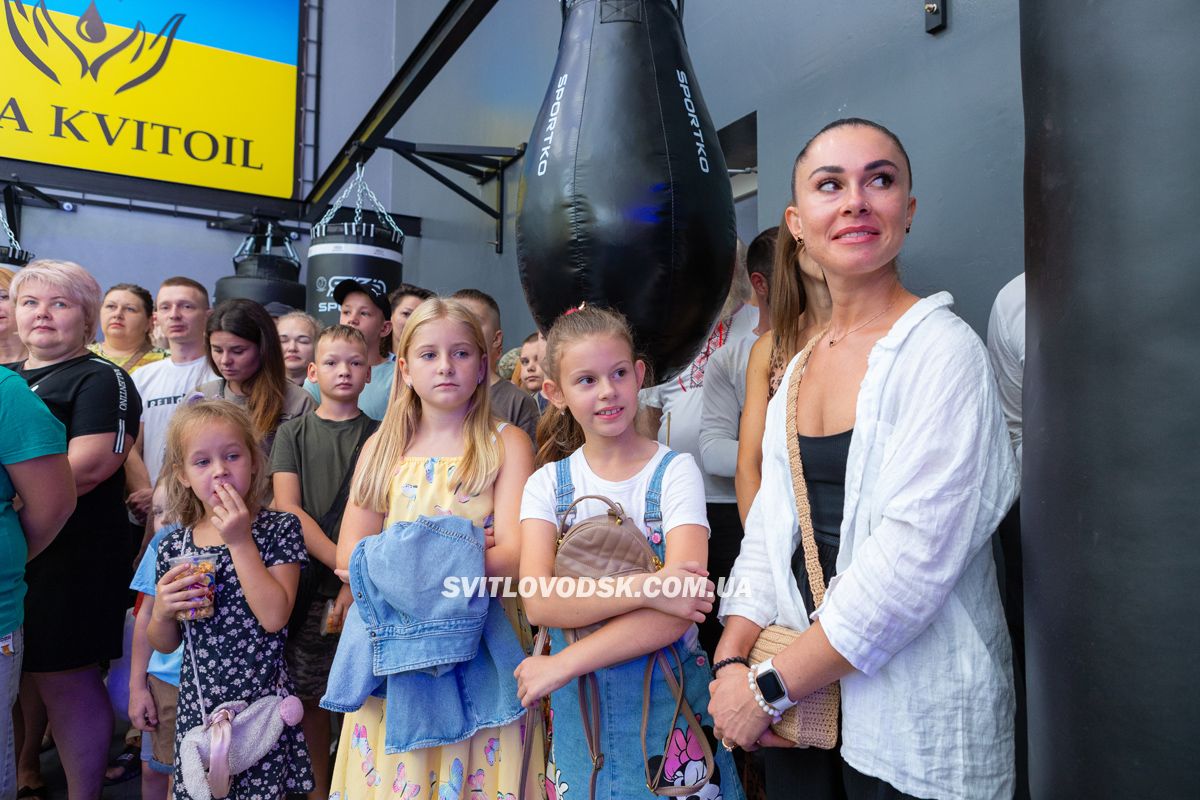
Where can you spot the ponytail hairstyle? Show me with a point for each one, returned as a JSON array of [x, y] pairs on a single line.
[[787, 292], [788, 300], [182, 505], [482, 454], [265, 392], [558, 433]]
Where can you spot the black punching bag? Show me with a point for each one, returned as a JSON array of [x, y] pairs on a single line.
[[363, 251], [1109, 511], [262, 275], [625, 199]]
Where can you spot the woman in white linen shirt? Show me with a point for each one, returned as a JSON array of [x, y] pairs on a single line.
[[912, 623]]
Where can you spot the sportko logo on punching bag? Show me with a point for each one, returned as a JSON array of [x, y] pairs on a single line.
[[625, 200], [367, 252]]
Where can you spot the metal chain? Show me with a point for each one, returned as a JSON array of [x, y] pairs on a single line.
[[337, 203], [359, 185], [12, 237], [382, 212]]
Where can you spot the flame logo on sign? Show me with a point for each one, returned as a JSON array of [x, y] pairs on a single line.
[[41, 41]]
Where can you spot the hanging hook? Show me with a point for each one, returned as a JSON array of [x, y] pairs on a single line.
[[359, 185]]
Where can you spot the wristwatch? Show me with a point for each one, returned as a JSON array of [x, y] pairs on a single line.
[[771, 686]]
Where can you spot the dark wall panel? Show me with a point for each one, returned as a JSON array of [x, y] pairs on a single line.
[[1109, 509]]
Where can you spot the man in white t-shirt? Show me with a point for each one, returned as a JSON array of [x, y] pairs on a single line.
[[1006, 351], [182, 311]]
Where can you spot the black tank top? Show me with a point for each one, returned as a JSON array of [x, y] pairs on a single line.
[[824, 459]]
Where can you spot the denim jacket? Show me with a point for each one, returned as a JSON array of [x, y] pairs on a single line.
[[444, 663]]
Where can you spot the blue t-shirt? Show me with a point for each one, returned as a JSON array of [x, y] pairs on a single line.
[[27, 431], [374, 398], [164, 666]]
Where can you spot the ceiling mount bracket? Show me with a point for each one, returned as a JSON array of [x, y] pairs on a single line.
[[483, 164]]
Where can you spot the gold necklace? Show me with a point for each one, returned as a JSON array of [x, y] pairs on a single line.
[[833, 341]]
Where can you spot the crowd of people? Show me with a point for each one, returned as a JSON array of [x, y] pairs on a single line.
[[292, 504]]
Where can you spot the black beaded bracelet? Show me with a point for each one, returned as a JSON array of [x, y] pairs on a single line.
[[725, 662]]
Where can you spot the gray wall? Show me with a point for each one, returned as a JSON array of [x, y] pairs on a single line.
[[954, 99], [128, 246], [487, 95]]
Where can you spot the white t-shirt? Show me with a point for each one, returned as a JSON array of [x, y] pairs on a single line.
[[1006, 349], [682, 500], [682, 402], [682, 492], [162, 386]]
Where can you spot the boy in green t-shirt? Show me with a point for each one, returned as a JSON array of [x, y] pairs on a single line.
[[311, 463]]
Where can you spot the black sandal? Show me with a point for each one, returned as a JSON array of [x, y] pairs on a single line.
[[130, 762]]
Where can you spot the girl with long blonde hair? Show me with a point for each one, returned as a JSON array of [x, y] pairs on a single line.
[[439, 451]]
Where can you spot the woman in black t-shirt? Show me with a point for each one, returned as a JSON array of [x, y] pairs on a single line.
[[75, 605]]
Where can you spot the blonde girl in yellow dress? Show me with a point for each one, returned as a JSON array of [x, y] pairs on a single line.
[[438, 451]]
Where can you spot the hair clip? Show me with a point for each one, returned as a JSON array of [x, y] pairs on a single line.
[[579, 307]]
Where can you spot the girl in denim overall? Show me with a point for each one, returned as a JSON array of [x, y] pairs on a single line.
[[590, 446], [439, 451]]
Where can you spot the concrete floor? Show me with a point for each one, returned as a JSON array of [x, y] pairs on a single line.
[[129, 790], [57, 782]]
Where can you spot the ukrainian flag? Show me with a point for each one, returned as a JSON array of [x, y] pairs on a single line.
[[199, 92]]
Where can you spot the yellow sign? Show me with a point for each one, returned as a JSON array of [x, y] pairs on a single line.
[[198, 92]]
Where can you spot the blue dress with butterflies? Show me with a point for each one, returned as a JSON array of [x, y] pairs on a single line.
[[488, 764]]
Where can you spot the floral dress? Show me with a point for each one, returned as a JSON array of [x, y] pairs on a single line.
[[238, 660], [488, 765]]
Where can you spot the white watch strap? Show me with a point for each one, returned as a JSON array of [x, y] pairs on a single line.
[[785, 702]]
